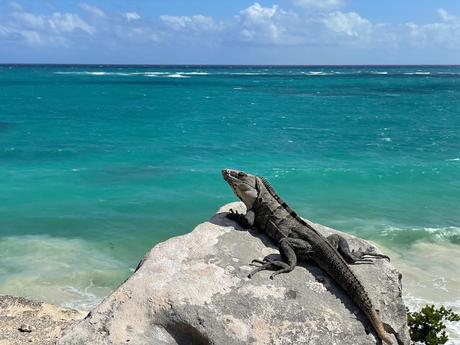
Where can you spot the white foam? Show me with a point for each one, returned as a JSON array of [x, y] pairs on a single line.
[[417, 73], [95, 73], [315, 73], [441, 233], [70, 272], [246, 73], [430, 276], [453, 160], [194, 73], [151, 74], [177, 75]]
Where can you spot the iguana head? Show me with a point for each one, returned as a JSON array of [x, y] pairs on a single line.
[[244, 185]]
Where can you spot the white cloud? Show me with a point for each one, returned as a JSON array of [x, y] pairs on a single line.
[[445, 16], [132, 16], [445, 34], [32, 37], [92, 10], [264, 25], [349, 24], [38, 29], [257, 13], [189, 23], [68, 22], [4, 31], [319, 4], [322, 25], [30, 20]]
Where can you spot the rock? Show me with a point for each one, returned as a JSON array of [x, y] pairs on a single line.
[[24, 321], [194, 289], [26, 328]]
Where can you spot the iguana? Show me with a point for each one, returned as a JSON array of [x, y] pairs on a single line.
[[298, 240]]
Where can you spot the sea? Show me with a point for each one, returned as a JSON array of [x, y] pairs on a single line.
[[99, 163]]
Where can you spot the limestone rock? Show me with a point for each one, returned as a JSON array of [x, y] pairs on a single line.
[[194, 289], [23, 321]]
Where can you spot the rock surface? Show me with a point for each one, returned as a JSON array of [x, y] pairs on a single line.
[[23, 321], [194, 289]]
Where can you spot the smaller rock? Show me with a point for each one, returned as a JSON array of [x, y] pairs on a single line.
[[26, 328], [33, 322]]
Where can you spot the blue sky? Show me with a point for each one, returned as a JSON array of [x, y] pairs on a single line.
[[230, 32]]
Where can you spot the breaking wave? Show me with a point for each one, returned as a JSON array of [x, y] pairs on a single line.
[[429, 277], [68, 272], [274, 73], [436, 235]]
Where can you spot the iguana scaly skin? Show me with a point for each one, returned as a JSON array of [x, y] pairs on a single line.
[[298, 240]]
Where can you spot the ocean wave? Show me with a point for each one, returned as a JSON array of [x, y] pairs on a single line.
[[151, 74], [417, 73], [95, 73], [429, 276], [448, 233], [181, 74], [82, 299], [145, 74], [194, 73], [177, 75], [240, 73], [317, 73], [168, 74], [70, 272]]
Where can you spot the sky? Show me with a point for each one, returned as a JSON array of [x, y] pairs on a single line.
[[305, 32]]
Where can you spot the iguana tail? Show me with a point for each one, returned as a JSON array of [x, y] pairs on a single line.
[[379, 328]]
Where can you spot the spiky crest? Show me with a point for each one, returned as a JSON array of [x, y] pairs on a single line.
[[286, 206], [303, 222]]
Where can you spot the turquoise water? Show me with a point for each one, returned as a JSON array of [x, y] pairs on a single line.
[[100, 163]]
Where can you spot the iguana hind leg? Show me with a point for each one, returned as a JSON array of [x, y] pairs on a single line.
[[288, 248], [352, 256]]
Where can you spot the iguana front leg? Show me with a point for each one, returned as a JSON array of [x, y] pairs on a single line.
[[289, 249], [244, 220], [352, 257]]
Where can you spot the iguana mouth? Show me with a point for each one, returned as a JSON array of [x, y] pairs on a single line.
[[227, 174]]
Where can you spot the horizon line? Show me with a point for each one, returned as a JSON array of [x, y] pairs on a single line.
[[223, 65]]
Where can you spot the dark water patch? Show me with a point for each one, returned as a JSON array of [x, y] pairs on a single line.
[[4, 126]]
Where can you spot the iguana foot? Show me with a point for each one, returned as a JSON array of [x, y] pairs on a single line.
[[269, 264], [239, 218], [288, 256], [351, 256], [360, 254]]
